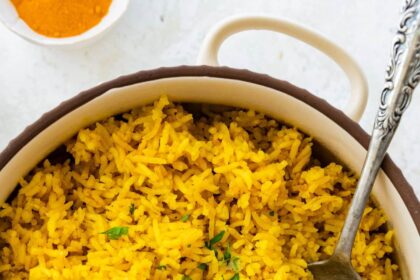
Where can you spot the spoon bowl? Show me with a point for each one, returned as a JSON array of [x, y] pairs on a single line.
[[333, 268]]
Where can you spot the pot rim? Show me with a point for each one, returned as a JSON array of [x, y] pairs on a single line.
[[388, 166]]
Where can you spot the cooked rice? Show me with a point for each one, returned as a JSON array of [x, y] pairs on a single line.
[[176, 181]]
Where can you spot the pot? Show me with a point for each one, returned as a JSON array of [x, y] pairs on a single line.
[[338, 132]]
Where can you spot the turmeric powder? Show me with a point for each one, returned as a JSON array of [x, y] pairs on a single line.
[[61, 18]]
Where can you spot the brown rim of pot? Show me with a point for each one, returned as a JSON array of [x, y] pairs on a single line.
[[394, 173]]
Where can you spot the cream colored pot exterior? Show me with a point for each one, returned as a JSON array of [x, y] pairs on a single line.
[[236, 24]]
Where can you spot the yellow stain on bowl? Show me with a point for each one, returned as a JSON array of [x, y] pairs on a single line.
[[61, 18]]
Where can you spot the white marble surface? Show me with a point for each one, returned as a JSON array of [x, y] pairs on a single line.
[[152, 33]]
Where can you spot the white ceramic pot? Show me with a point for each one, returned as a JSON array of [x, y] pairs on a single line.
[[221, 85]]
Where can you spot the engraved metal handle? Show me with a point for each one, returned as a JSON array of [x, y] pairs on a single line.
[[402, 76]]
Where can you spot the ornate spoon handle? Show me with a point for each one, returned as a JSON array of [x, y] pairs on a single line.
[[402, 76]]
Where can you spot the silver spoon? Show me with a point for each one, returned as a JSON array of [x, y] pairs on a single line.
[[402, 76]]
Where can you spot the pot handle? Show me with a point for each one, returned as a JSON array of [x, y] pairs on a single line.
[[236, 24]]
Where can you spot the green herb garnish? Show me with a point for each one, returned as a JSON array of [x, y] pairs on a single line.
[[186, 277], [235, 277], [210, 244], [203, 266], [185, 218], [161, 267], [116, 232], [227, 255], [132, 208], [234, 264], [271, 213]]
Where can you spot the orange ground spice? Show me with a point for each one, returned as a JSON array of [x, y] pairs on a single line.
[[61, 18]]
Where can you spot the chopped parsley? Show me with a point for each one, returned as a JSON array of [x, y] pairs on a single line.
[[271, 213], [203, 266], [234, 264], [132, 208], [116, 232], [235, 277], [210, 244], [185, 218], [161, 267], [186, 277], [227, 255]]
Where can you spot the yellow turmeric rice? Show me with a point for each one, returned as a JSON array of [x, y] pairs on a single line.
[[159, 194]]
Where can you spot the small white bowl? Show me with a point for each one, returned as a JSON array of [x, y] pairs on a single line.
[[11, 19]]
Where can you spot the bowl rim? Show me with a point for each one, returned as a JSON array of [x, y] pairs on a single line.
[[354, 129]]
